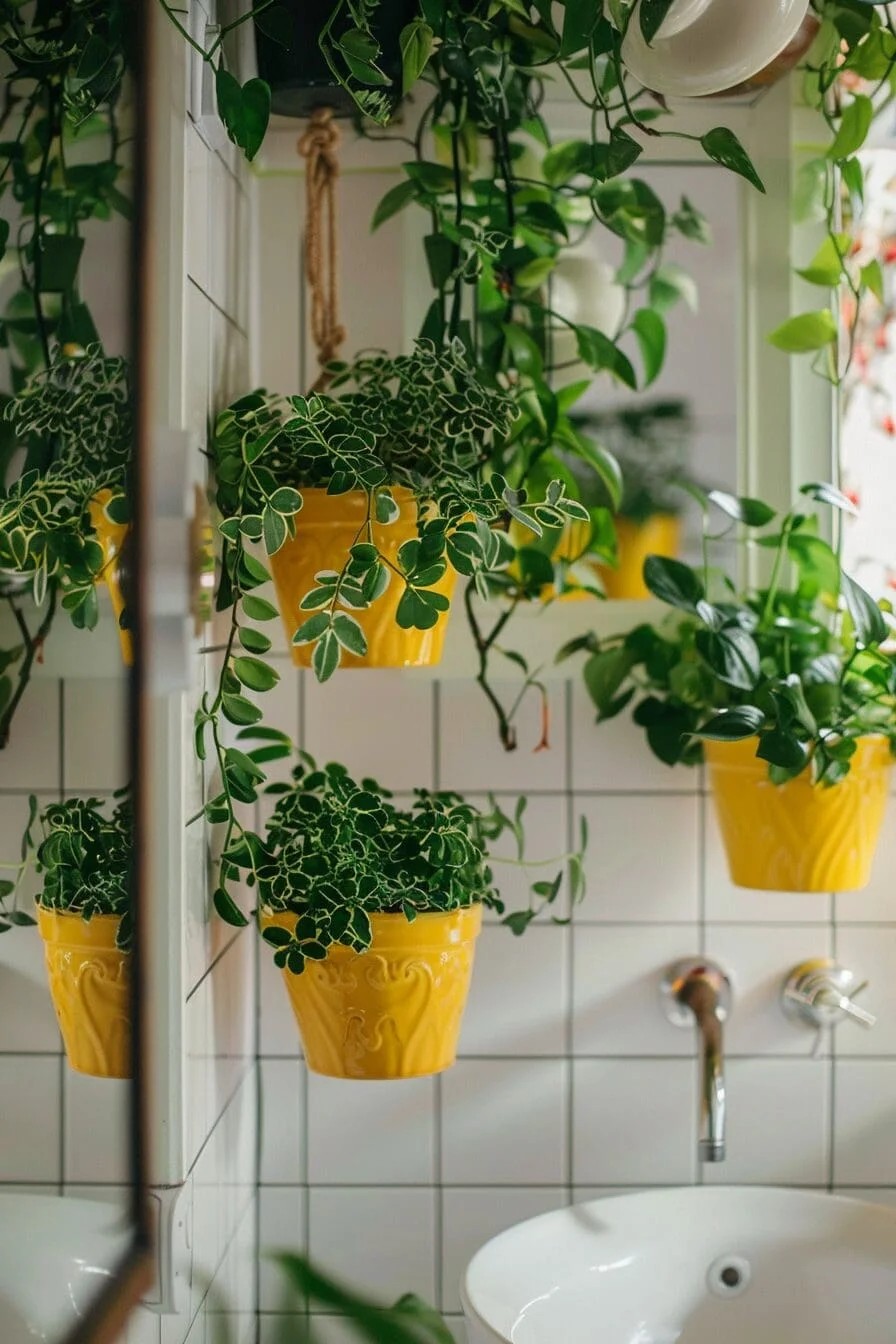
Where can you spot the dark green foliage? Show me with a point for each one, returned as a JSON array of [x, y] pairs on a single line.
[[797, 664]]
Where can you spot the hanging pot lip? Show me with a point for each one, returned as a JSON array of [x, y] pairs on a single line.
[[70, 929], [455, 926], [740, 755]]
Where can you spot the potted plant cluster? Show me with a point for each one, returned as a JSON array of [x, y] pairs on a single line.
[[786, 689], [372, 911], [650, 443], [83, 853], [368, 501]]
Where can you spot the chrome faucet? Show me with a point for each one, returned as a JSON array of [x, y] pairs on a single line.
[[698, 992]]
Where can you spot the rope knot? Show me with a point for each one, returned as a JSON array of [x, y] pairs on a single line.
[[319, 146]]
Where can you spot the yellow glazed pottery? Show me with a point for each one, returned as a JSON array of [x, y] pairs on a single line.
[[326, 528], [798, 836], [111, 537], [393, 1011], [90, 984], [573, 539], [658, 535]]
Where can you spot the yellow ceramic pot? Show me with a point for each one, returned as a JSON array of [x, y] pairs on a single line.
[[90, 984], [111, 537], [326, 528], [393, 1011], [798, 836], [658, 535]]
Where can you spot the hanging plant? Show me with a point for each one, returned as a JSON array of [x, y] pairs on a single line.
[[787, 691], [850, 78]]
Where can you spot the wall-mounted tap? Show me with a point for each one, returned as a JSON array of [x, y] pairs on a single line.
[[698, 992], [821, 993]]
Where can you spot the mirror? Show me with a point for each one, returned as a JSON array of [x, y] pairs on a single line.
[[71, 1223]]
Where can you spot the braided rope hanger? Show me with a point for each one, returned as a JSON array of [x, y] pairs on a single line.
[[319, 147]]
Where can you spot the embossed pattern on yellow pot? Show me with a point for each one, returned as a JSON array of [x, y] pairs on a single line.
[[798, 836], [394, 1011], [111, 537], [326, 528], [90, 984], [658, 535]]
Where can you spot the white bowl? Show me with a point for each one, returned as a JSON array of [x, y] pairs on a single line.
[[730, 42], [681, 15]]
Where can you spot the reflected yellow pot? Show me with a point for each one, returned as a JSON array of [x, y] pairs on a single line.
[[658, 535], [90, 984], [111, 537], [394, 1011], [798, 836], [326, 529]]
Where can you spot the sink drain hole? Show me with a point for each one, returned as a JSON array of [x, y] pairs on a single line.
[[729, 1276]]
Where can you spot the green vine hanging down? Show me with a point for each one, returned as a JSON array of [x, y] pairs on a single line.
[[66, 425]]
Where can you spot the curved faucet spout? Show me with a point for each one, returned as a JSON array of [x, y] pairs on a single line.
[[699, 993]]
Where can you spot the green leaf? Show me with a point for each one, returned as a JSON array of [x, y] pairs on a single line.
[[826, 267], [60, 256], [752, 512], [731, 654], [228, 909], [623, 151], [523, 351], [599, 352], [534, 274], [285, 500], [394, 200], [670, 283], [730, 725], [277, 24], [255, 674], [312, 629], [650, 330], [808, 331], [672, 582], [433, 178], [723, 147], [782, 748], [440, 258], [870, 626], [386, 509], [349, 633], [826, 493], [604, 674], [871, 277], [325, 658], [245, 110], [274, 531], [259, 608], [237, 709], [855, 123], [651, 15], [580, 18], [253, 641], [416, 41]]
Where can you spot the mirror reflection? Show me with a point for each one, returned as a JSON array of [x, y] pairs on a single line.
[[67, 438]]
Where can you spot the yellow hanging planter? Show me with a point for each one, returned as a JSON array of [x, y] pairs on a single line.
[[798, 836], [658, 535], [393, 1011], [326, 529], [111, 537], [90, 984], [574, 537]]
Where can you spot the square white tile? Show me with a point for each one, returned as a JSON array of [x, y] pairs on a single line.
[[546, 839], [634, 1121], [864, 1122], [281, 1227], [371, 1133], [876, 904], [27, 1019], [278, 1030], [31, 1088], [466, 718], [391, 1246], [504, 1122], [95, 734], [617, 974], [614, 756], [870, 952], [96, 1128], [32, 761], [778, 1123], [724, 901], [642, 861], [391, 741], [471, 1217], [519, 995], [758, 959], [282, 1084]]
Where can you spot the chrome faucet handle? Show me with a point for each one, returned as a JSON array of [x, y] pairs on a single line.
[[821, 993]]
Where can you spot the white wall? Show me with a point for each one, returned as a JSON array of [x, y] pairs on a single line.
[[570, 1080]]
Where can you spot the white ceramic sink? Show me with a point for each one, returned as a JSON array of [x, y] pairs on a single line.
[[54, 1255], [709, 1265]]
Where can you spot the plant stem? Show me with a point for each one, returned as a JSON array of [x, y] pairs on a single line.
[[33, 648]]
